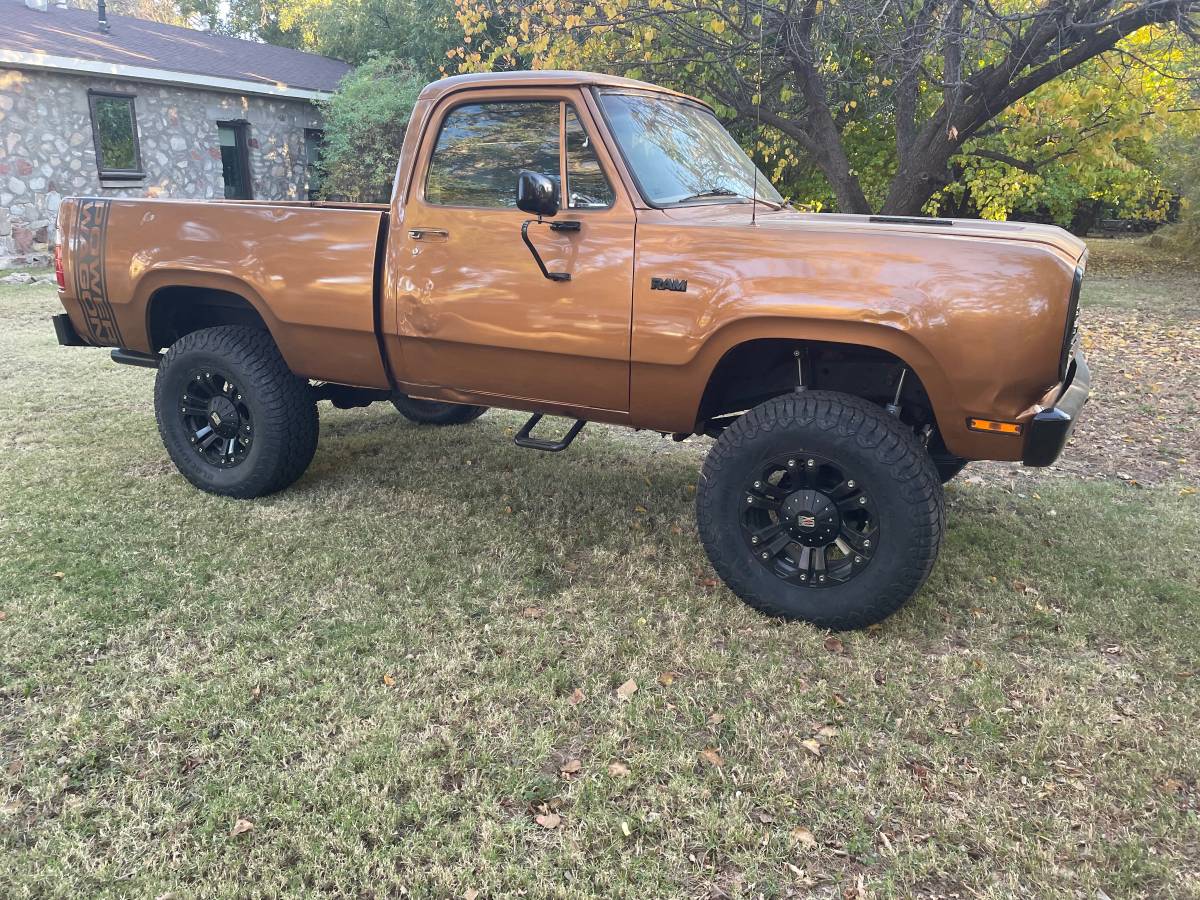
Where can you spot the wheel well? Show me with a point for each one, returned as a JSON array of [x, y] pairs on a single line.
[[175, 311], [758, 370]]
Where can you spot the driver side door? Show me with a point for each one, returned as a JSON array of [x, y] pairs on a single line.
[[474, 313]]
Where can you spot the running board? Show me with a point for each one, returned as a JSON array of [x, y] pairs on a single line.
[[136, 358], [523, 438]]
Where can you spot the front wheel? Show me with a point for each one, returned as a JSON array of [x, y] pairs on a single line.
[[822, 507], [233, 417]]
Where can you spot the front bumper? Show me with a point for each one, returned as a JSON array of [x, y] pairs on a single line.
[[1047, 433]]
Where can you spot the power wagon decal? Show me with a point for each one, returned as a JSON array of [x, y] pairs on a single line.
[[91, 287]]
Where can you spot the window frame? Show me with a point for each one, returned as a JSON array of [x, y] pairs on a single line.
[[110, 174], [563, 103], [564, 175], [598, 92]]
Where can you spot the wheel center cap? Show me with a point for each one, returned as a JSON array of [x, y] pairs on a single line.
[[811, 517], [223, 416]]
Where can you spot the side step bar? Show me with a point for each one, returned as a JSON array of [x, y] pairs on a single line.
[[134, 358], [523, 438]]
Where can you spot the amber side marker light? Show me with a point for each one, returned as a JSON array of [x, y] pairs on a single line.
[[994, 427]]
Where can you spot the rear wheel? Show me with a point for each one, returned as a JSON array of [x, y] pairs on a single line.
[[822, 507], [233, 417], [431, 412]]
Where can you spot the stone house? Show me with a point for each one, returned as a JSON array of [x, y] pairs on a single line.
[[123, 107]]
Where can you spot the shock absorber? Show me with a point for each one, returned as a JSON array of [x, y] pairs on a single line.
[[893, 408]]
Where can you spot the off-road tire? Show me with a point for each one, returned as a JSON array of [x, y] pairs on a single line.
[[431, 412], [279, 404], [882, 455]]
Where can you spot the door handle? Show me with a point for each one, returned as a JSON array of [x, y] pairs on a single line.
[[428, 234]]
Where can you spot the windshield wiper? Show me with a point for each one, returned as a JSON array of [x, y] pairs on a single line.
[[725, 192], [711, 192]]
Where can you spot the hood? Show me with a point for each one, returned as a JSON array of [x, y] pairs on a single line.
[[732, 215]]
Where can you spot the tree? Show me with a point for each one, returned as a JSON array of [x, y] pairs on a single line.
[[937, 76], [364, 129], [421, 31]]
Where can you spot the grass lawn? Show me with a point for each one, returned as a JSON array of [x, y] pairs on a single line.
[[403, 677]]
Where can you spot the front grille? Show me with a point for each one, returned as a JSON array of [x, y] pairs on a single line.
[[1071, 330]]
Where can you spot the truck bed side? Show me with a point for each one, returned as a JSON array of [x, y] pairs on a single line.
[[307, 270]]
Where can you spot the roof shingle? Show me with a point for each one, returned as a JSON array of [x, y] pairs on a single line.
[[137, 42]]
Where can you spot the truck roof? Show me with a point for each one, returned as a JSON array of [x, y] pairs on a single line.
[[548, 77]]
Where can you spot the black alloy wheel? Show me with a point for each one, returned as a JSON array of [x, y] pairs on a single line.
[[218, 418], [808, 521]]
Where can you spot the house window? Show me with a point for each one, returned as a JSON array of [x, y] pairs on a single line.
[[314, 142], [114, 132], [235, 160]]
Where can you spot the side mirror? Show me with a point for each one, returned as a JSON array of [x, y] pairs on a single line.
[[536, 194]]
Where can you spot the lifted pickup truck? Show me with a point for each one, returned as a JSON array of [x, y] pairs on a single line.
[[598, 248]]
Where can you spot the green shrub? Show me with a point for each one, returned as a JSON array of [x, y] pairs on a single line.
[[364, 129]]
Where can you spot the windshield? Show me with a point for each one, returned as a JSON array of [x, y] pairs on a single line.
[[680, 152]]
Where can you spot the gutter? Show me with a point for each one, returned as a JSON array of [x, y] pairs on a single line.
[[75, 66]]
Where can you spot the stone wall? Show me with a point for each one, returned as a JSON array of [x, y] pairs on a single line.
[[47, 151]]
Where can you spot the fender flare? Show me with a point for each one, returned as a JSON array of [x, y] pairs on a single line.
[[161, 279]]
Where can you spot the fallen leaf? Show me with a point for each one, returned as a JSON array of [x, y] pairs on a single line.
[[570, 767], [627, 690], [618, 769], [834, 645], [548, 820], [803, 837], [666, 679], [577, 697], [812, 746], [241, 826], [470, 894], [59, 575], [533, 612], [716, 719], [388, 680], [3, 615], [712, 757]]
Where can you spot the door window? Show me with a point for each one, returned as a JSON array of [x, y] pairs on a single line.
[[482, 148], [235, 160]]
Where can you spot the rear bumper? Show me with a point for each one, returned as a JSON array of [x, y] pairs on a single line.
[[66, 333], [1047, 433]]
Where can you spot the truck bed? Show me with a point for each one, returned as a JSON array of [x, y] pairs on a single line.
[[307, 268]]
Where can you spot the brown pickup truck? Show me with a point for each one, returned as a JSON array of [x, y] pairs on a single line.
[[598, 248]]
